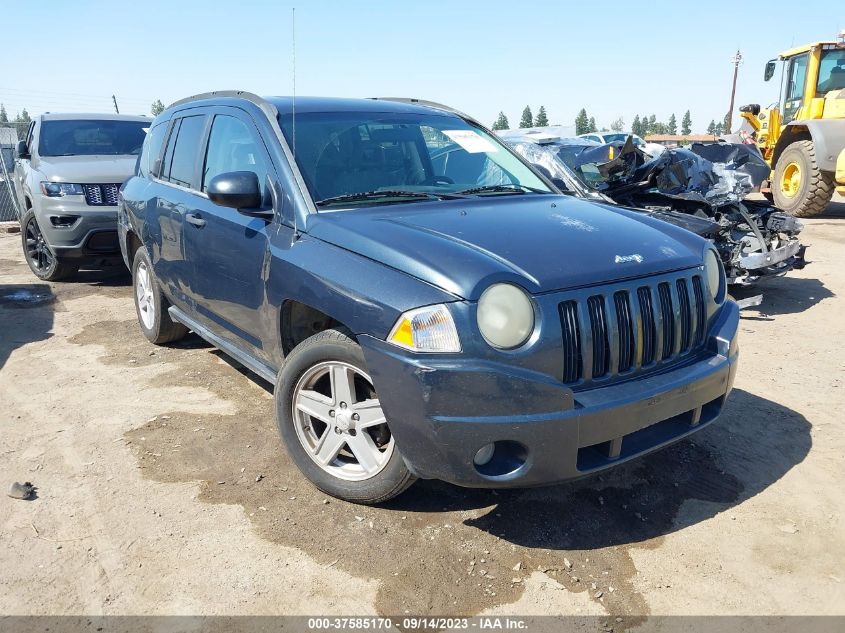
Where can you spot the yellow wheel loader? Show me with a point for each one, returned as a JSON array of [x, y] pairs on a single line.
[[803, 136]]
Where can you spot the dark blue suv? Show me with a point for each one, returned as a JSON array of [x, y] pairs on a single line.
[[426, 304]]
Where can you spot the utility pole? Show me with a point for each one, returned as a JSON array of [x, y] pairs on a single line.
[[114, 101], [736, 60]]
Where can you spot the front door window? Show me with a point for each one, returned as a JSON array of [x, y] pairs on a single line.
[[794, 94]]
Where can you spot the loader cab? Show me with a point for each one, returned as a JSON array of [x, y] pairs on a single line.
[[809, 73]]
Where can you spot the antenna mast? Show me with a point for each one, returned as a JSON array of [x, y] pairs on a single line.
[[293, 99]]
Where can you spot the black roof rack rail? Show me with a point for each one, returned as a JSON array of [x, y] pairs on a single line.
[[428, 104], [261, 102]]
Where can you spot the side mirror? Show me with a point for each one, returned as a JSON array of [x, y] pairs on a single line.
[[235, 189], [770, 70], [22, 150]]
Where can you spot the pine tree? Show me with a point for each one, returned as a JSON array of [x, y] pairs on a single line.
[[673, 125], [542, 120], [643, 125], [157, 107], [686, 124], [711, 129], [501, 122], [593, 127], [618, 125], [636, 126], [726, 129], [652, 125], [582, 123], [4, 117], [527, 120], [718, 129]]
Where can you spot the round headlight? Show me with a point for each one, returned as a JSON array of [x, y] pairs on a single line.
[[505, 316], [713, 271]]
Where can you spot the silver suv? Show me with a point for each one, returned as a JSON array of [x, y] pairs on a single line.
[[68, 172]]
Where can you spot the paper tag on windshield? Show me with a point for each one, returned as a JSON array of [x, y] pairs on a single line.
[[471, 141]]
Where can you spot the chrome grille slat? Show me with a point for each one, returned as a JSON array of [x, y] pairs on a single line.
[[624, 331], [649, 331], [572, 363], [598, 324], [686, 314], [101, 195], [625, 328]]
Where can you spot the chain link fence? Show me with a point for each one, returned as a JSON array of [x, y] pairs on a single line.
[[8, 200]]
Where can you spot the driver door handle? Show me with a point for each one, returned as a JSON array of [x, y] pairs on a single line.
[[195, 219]]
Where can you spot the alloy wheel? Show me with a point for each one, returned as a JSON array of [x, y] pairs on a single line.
[[144, 295], [37, 250], [339, 421]]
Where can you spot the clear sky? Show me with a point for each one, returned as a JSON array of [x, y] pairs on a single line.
[[613, 58]]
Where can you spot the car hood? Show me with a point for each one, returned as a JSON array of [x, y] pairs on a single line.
[[541, 242], [87, 169]]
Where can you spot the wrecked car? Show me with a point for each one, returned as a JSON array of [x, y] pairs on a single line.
[[701, 188], [425, 302]]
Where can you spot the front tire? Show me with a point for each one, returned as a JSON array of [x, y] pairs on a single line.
[[42, 260], [800, 188], [151, 305], [332, 425]]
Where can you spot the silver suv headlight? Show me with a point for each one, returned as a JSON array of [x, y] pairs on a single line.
[[429, 329], [715, 274], [505, 316], [60, 189]]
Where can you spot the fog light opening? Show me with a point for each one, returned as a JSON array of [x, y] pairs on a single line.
[[63, 221], [501, 460]]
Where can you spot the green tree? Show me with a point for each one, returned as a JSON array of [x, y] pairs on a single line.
[[541, 120], [652, 124], [711, 129], [726, 128], [672, 128], [4, 117], [21, 123], [618, 125], [157, 107], [637, 126], [593, 127], [686, 124], [527, 119], [582, 123], [718, 129], [501, 122]]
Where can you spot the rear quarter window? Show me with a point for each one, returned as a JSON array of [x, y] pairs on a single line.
[[152, 150], [183, 149]]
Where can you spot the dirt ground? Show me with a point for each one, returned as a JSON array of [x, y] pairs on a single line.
[[163, 489]]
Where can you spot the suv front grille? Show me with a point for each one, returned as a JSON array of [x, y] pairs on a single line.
[[101, 195], [620, 333]]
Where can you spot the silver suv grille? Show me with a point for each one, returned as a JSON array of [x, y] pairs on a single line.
[[625, 332], [101, 195]]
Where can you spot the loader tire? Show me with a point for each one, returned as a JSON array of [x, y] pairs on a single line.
[[800, 188]]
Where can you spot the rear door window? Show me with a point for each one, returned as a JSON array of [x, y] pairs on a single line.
[[181, 158], [152, 149]]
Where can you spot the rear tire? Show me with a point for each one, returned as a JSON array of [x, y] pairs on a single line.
[[151, 305], [42, 260], [331, 422], [799, 187]]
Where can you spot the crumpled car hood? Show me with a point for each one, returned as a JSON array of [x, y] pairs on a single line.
[[541, 242]]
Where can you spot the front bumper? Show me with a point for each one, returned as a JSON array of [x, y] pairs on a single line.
[[74, 229], [443, 409]]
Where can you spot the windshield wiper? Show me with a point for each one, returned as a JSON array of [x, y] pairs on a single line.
[[373, 195], [509, 188]]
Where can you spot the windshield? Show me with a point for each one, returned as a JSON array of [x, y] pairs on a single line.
[[831, 71], [352, 158], [612, 138], [75, 137]]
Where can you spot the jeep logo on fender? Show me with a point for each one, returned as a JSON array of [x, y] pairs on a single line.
[[622, 259]]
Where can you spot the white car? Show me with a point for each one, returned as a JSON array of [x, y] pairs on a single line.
[[652, 149]]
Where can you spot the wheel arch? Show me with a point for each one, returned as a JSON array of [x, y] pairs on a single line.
[[299, 321], [827, 135]]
